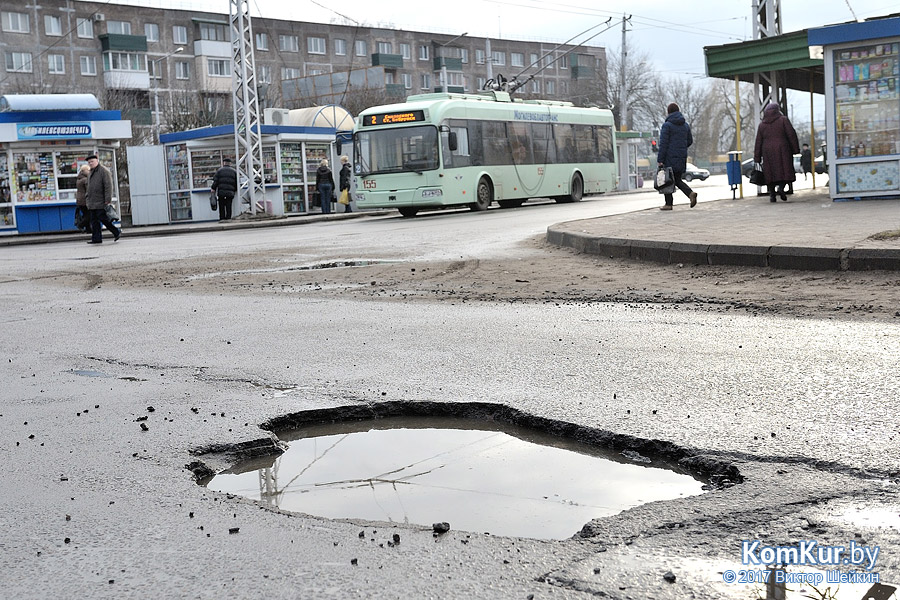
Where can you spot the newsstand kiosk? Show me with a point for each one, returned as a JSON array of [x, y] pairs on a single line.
[[44, 140]]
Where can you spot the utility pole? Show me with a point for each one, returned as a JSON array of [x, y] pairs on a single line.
[[623, 82]]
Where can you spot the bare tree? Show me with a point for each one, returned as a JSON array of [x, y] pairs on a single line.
[[643, 85]]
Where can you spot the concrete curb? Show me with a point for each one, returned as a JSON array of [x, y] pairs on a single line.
[[776, 257]]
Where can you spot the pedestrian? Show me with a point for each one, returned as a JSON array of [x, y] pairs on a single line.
[[805, 161], [82, 215], [325, 185], [225, 184], [674, 139], [97, 197], [345, 181], [776, 145]]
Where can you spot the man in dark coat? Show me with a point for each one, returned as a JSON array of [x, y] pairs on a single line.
[[805, 161], [674, 139], [225, 183], [776, 145], [98, 196]]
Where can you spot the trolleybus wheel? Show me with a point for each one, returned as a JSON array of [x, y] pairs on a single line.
[[484, 195], [408, 212], [576, 192]]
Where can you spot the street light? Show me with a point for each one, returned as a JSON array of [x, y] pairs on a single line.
[[444, 61], [156, 87]]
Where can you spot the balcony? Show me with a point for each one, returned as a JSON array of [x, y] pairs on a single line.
[[117, 42], [388, 61], [452, 89], [126, 80], [395, 89], [212, 48], [452, 64]]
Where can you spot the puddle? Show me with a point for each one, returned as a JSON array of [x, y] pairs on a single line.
[[478, 476], [334, 264], [87, 373]]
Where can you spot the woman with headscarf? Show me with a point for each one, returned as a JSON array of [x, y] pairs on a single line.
[[776, 145]]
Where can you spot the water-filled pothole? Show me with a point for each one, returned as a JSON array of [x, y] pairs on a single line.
[[478, 476]]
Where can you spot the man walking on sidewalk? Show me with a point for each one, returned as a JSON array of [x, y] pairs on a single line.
[[674, 139], [225, 184], [97, 198]]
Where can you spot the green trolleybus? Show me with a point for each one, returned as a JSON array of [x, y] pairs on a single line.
[[447, 149]]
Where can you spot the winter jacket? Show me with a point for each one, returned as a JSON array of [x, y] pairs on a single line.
[[806, 160], [81, 186], [345, 177], [225, 182], [324, 176], [674, 139], [776, 145], [99, 188]]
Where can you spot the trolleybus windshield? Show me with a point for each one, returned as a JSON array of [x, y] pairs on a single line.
[[396, 150]]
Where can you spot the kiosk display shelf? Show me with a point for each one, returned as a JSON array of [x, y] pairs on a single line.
[[178, 167], [291, 163], [6, 210], [180, 206], [294, 200], [33, 177], [270, 166], [867, 100], [67, 166]]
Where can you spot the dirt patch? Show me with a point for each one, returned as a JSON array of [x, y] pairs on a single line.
[[887, 235]]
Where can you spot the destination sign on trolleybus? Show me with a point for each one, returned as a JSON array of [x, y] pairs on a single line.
[[408, 116]]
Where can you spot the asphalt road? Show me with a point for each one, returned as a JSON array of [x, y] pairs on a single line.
[[93, 506]]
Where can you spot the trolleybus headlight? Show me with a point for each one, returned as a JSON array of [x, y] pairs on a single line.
[[432, 193]]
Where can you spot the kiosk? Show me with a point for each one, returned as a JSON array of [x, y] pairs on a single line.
[[44, 140], [862, 106], [292, 151]]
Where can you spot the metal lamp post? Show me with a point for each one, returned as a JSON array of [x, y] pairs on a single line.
[[444, 62], [156, 89]]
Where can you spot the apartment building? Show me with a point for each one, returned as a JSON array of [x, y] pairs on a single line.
[[138, 59]]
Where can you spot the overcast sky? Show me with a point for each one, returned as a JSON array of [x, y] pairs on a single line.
[[672, 34]]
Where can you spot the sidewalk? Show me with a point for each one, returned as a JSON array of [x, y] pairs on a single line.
[[808, 232], [239, 222]]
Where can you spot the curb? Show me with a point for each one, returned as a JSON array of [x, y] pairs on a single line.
[[776, 257]]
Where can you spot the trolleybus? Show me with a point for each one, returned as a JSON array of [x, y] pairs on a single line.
[[447, 149]]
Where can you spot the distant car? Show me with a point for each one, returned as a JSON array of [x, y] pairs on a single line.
[[692, 172]]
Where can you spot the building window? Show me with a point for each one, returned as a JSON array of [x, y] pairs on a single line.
[[154, 69], [56, 64], [479, 57], [533, 59], [262, 42], [384, 48], [290, 73], [16, 22], [218, 67], [340, 47], [481, 82], [388, 78], [361, 48], [464, 55], [213, 32], [535, 86], [548, 61], [516, 59], [498, 58], [119, 27], [20, 62], [455, 79], [288, 43], [317, 69], [315, 45], [52, 25], [563, 88], [85, 28], [88, 65], [424, 52], [265, 74], [426, 81], [551, 88], [407, 80], [182, 69], [179, 34], [563, 61], [406, 51], [151, 32], [124, 61]]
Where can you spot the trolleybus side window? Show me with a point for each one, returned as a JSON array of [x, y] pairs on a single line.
[[496, 144], [544, 148], [605, 143], [565, 142], [520, 143], [586, 144], [461, 156]]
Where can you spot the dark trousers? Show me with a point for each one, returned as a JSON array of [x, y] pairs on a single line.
[[83, 219], [681, 185], [225, 207], [98, 217], [326, 190]]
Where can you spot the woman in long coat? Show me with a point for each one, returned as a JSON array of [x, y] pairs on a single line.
[[776, 145], [82, 216]]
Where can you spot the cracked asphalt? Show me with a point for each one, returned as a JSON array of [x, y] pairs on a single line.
[[98, 501]]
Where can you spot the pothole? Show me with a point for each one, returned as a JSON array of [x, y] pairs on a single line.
[[333, 264], [477, 475]]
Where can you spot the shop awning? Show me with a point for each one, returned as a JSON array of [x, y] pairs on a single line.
[[787, 53]]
